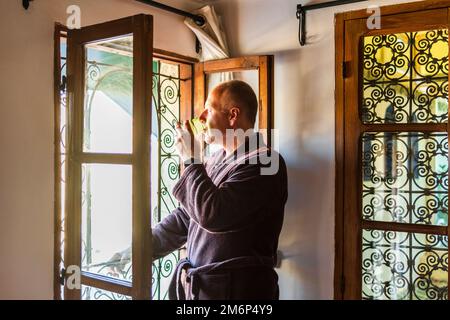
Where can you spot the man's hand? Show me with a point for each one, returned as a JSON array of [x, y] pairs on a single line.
[[188, 146]]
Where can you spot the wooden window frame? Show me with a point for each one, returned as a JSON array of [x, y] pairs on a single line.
[[342, 69], [141, 26], [60, 31], [186, 106]]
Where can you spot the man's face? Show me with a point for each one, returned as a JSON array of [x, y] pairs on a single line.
[[216, 119]]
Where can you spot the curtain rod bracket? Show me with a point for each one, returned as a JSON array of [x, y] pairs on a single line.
[[199, 20], [301, 15]]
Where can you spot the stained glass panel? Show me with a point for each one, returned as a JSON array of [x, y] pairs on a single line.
[[408, 72], [404, 266], [405, 177]]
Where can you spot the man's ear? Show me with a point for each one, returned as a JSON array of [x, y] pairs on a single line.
[[233, 115]]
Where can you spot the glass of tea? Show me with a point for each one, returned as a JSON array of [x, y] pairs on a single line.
[[197, 126]]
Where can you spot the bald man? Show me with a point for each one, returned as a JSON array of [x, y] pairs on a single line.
[[231, 211]]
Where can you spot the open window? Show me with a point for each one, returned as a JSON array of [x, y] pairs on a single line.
[[117, 101], [107, 182]]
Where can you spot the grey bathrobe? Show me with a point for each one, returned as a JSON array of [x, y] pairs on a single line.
[[230, 219]]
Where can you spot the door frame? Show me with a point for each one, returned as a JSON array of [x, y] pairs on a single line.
[[342, 69]]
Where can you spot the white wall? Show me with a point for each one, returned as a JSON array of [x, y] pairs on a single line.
[[304, 114], [26, 128]]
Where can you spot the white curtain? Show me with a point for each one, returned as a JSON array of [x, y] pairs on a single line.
[[212, 39]]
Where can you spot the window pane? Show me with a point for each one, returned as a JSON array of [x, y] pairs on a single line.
[[405, 177], [91, 293], [404, 266], [405, 77], [108, 103], [107, 220]]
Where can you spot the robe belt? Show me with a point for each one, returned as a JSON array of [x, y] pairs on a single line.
[[192, 272]]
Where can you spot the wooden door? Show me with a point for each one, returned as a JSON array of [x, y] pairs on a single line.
[[395, 157]]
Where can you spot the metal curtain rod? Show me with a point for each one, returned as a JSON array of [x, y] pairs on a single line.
[[301, 15], [199, 20]]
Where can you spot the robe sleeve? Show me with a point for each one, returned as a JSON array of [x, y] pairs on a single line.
[[232, 205], [170, 234]]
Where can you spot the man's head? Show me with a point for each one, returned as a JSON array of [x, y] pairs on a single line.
[[230, 105]]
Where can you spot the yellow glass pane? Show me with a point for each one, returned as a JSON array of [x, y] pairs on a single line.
[[405, 77]]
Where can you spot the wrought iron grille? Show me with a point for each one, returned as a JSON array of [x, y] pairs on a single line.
[[62, 128], [406, 71], [405, 174], [166, 107], [404, 266], [91, 293], [414, 189]]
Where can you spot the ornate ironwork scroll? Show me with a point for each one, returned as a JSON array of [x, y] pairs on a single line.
[[91, 293], [408, 71], [410, 266], [62, 126], [415, 188]]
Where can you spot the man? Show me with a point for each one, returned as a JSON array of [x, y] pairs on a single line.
[[231, 213], [232, 206]]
